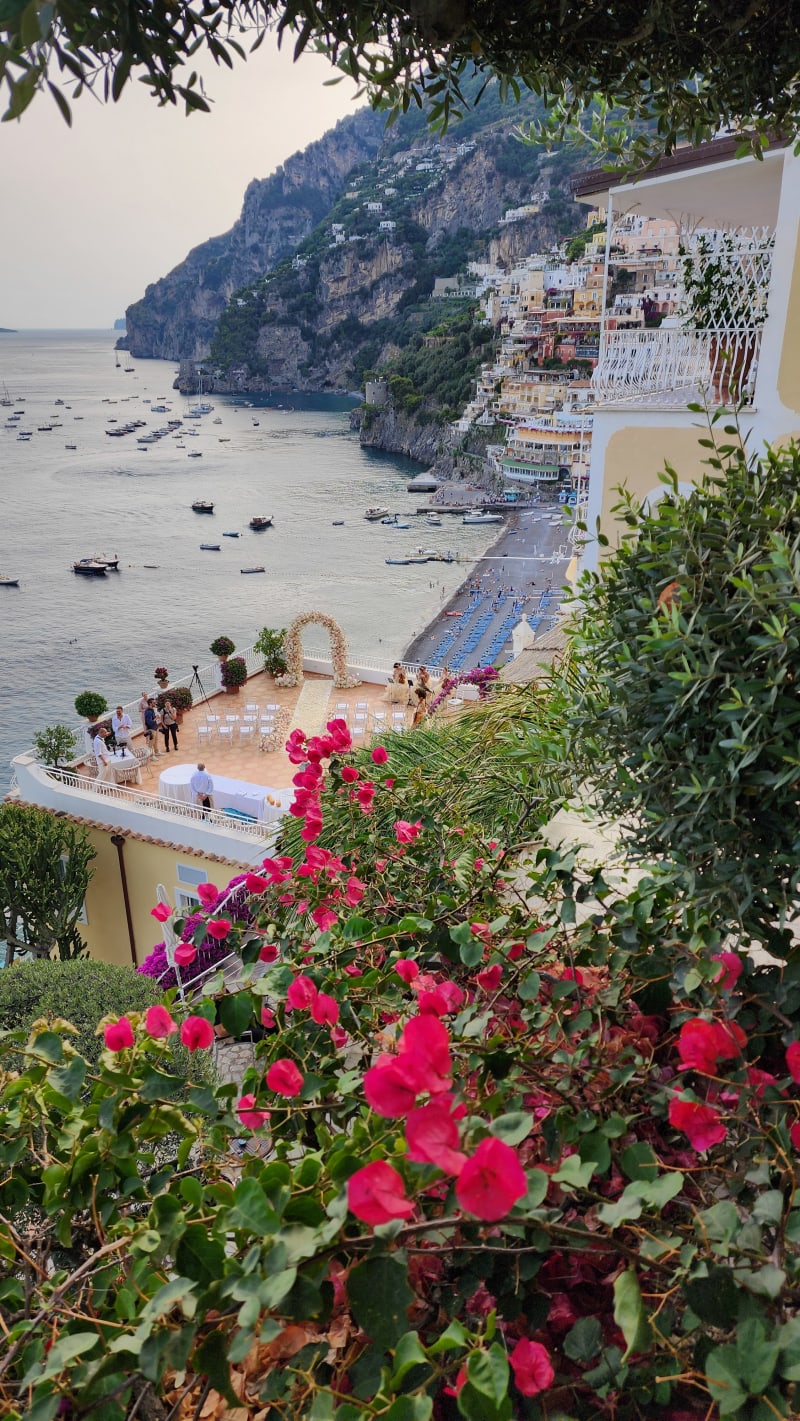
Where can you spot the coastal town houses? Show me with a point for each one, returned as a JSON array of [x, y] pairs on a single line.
[[735, 334]]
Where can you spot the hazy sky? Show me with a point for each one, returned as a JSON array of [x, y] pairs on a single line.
[[91, 214]]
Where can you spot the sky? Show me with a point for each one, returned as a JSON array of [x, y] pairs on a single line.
[[91, 214]]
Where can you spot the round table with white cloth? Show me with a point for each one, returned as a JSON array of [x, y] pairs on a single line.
[[260, 801]]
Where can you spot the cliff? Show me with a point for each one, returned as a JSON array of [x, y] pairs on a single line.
[[178, 314]]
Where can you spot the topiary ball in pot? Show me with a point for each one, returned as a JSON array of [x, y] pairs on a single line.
[[91, 704], [234, 674]]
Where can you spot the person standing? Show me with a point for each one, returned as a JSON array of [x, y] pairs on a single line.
[[151, 727], [202, 787], [101, 754], [169, 725], [421, 708], [143, 704], [122, 726]]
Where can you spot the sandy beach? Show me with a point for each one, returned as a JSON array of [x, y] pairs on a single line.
[[523, 570]]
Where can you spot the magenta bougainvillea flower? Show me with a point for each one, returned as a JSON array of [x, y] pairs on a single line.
[[251, 1118], [491, 1181], [256, 883], [376, 1194], [209, 894], [532, 1368], [406, 833], [432, 1136], [197, 1034], [184, 954], [324, 1010], [284, 1077], [388, 1087], [793, 1061], [379, 755], [118, 1035], [406, 968], [730, 969], [158, 1022], [161, 912], [701, 1124], [489, 979], [301, 994], [218, 928]]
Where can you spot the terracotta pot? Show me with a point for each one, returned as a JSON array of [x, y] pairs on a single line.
[[163, 685], [231, 690]]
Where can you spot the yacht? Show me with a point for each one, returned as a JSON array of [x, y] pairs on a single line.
[[258, 524], [374, 515], [8, 581], [480, 515], [90, 568], [201, 505]]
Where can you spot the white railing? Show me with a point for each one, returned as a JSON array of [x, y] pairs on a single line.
[[666, 368], [179, 809]]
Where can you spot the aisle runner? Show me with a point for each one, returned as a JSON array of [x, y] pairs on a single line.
[[311, 710]]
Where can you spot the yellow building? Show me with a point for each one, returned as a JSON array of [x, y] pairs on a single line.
[[741, 212]]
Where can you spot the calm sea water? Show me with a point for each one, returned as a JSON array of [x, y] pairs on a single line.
[[63, 633]]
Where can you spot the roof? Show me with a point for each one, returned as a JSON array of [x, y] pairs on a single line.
[[85, 823], [537, 660]]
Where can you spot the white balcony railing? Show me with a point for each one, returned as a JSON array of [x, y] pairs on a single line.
[[175, 808], [668, 368]]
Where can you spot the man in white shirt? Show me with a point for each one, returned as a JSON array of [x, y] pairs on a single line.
[[202, 787], [100, 752], [122, 726]]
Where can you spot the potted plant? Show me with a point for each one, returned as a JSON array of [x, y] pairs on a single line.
[[181, 698], [91, 705], [54, 744], [234, 675], [162, 675], [725, 284], [223, 647], [270, 645]]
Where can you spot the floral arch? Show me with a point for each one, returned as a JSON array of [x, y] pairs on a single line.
[[293, 651]]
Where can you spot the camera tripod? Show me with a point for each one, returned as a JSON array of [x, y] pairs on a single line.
[[195, 681]]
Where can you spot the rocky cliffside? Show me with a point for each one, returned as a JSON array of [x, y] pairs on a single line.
[[177, 316], [432, 445]]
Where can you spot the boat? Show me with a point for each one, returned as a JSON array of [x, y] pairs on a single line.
[[231, 535], [70, 446], [210, 547], [252, 569], [480, 515], [397, 562], [202, 408], [90, 568], [259, 523], [338, 523], [201, 505], [395, 522], [194, 454], [111, 563], [433, 520], [8, 581], [373, 515], [217, 420]]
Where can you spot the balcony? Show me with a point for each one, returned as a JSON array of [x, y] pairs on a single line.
[[670, 368]]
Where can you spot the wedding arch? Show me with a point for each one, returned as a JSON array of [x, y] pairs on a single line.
[[293, 651]]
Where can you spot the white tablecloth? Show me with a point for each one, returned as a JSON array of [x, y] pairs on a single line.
[[228, 794], [122, 764]]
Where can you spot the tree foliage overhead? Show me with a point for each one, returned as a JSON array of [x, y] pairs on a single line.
[[687, 64], [44, 874]]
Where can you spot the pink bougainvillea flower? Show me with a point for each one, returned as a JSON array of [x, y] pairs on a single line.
[[701, 1124], [698, 1046], [118, 1035], [324, 918], [376, 1194], [268, 952], [515, 951], [425, 1046], [324, 1010], [730, 1040], [268, 1018], [158, 1022], [793, 1061], [491, 1181], [461, 1380], [218, 928], [388, 1087], [432, 1136], [284, 1077], [354, 891], [478, 865], [197, 1034], [353, 970], [406, 833], [532, 1368], [251, 1118], [366, 795], [184, 954], [256, 883], [730, 969], [301, 994], [389, 782], [489, 979], [350, 774], [339, 736], [162, 911], [406, 968], [758, 1080], [339, 1037], [208, 893], [379, 755], [794, 1134]]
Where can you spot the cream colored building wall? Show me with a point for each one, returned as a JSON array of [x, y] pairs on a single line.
[[634, 457], [146, 865]]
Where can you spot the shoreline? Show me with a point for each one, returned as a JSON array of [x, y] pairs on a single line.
[[522, 557]]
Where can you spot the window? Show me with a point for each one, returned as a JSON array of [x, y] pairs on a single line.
[[192, 876], [186, 901]]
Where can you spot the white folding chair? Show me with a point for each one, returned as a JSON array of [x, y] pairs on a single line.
[[225, 733], [145, 759], [398, 722], [232, 719], [251, 707], [379, 719], [212, 719], [247, 734], [204, 734], [271, 708], [341, 709], [361, 706], [249, 718], [359, 731]]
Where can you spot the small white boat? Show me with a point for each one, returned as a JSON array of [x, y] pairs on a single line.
[[252, 569], [110, 562], [202, 505], [194, 454], [90, 568], [374, 515], [8, 581], [478, 515], [433, 520], [210, 547]]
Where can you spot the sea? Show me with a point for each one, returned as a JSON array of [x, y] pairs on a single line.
[[291, 457]]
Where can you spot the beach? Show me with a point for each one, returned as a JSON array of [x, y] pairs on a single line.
[[522, 570]]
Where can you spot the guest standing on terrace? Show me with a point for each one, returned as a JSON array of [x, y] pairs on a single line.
[[101, 755], [143, 704], [169, 725], [122, 726], [202, 786]]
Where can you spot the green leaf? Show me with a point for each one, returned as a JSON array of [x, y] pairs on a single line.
[[252, 1210], [66, 1349], [530, 987], [488, 1372], [68, 1080], [584, 1340], [757, 1358], [409, 1353], [453, 1337], [512, 1128], [236, 1012], [200, 1257], [629, 1312], [722, 1376], [575, 1172], [49, 1046], [409, 1408], [639, 1161], [380, 1297], [211, 1360], [715, 1298]]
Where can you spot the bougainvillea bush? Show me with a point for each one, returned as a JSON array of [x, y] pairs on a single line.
[[514, 1146]]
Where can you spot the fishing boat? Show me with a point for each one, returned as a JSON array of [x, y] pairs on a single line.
[[374, 515], [480, 515], [231, 535], [89, 568], [8, 581], [210, 547], [201, 505], [397, 562], [252, 569], [258, 524]]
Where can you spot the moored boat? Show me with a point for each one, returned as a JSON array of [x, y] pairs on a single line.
[[252, 569], [89, 568], [8, 581], [202, 505], [210, 547], [111, 563], [373, 515], [480, 515], [231, 535], [259, 523]]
